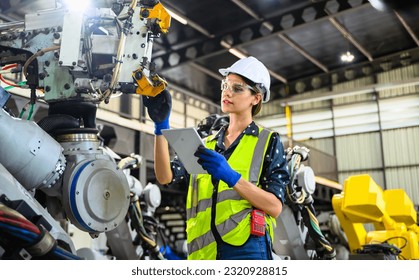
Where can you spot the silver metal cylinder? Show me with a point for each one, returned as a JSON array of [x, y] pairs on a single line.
[[30, 154]]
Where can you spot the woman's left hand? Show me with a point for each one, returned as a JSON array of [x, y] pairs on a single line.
[[217, 166]]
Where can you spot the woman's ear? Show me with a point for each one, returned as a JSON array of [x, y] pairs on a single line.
[[257, 99]]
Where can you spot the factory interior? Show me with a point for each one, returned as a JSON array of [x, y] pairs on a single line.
[[77, 144]]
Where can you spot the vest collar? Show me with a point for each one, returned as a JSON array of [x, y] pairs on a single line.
[[251, 129]]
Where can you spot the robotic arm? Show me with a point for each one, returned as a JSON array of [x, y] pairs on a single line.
[[77, 60], [88, 56], [299, 233], [395, 234]]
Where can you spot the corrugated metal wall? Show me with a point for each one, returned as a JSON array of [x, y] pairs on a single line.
[[405, 178], [397, 75], [326, 145], [359, 152], [350, 85], [401, 157]]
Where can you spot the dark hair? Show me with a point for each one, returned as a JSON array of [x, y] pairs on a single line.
[[256, 108]]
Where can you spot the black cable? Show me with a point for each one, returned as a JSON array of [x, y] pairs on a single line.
[[397, 237], [321, 242], [160, 231], [137, 221], [390, 251]]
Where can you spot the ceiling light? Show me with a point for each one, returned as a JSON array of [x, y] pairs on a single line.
[[77, 5], [379, 5], [177, 17], [347, 57]]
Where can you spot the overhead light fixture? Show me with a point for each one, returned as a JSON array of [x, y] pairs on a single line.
[[77, 5], [347, 57], [177, 17], [380, 5]]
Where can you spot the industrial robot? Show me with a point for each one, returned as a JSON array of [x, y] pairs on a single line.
[[394, 233], [57, 171]]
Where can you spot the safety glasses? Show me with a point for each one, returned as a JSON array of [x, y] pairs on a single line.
[[234, 87]]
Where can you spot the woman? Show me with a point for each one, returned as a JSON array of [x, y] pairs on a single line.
[[231, 210]]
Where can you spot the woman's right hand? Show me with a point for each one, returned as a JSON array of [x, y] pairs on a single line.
[[159, 109]]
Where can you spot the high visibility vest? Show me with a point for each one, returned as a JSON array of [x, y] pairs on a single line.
[[232, 212]]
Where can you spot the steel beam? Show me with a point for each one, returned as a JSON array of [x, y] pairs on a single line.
[[407, 27], [212, 46]]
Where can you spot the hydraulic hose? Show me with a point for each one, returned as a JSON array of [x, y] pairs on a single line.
[[323, 247], [303, 202], [136, 217]]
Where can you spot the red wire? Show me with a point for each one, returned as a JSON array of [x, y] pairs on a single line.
[[19, 222], [9, 66], [7, 82], [12, 214], [3, 79], [23, 225]]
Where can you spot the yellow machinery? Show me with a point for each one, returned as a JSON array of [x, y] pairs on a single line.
[[391, 212]]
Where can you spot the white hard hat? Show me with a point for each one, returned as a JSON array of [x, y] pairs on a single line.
[[254, 70]]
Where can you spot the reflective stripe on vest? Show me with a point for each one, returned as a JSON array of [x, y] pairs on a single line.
[[233, 212], [256, 166], [208, 238]]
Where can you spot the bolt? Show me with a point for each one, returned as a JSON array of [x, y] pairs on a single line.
[[138, 75], [145, 13]]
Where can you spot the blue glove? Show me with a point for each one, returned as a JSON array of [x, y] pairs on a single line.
[[159, 108], [216, 165], [158, 126]]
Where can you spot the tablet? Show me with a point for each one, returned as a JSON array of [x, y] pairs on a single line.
[[185, 142]]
